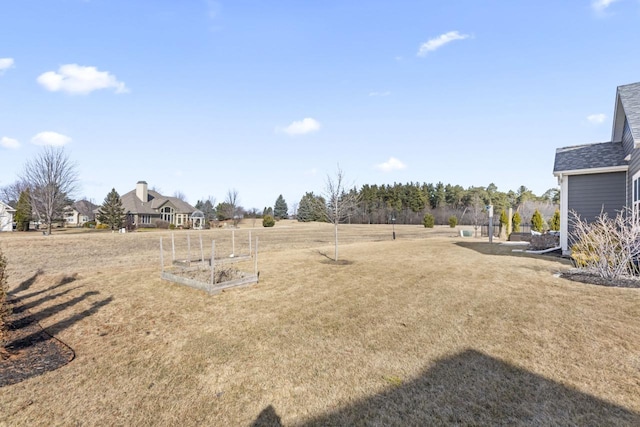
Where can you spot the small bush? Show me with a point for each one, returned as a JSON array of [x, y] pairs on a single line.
[[554, 222], [89, 224], [516, 221], [537, 222], [172, 226], [160, 223], [428, 221], [102, 227], [4, 308], [268, 221], [453, 221]]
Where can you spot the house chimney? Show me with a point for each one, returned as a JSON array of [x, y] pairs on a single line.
[[142, 191]]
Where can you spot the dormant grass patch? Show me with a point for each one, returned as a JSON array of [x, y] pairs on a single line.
[[429, 328]]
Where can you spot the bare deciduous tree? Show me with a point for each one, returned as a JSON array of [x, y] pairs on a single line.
[[180, 195], [232, 201], [11, 193], [340, 202], [52, 179]]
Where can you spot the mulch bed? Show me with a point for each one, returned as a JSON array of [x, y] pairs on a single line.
[[583, 276], [29, 349]]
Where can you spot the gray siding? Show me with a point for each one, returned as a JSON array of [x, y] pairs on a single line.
[[591, 194], [634, 162]]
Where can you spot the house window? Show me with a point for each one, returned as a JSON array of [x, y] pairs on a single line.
[[145, 219], [636, 196], [167, 214]]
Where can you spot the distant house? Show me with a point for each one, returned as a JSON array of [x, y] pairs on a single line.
[[6, 217], [79, 213], [144, 207], [603, 177]]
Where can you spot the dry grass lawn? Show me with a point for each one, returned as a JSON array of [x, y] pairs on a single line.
[[427, 329]]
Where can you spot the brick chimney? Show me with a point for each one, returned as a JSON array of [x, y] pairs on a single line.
[[142, 191]]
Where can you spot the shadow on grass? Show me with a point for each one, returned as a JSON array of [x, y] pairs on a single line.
[[472, 388], [15, 299], [330, 260], [487, 248], [26, 284]]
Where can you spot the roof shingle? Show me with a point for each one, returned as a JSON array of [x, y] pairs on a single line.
[[589, 156]]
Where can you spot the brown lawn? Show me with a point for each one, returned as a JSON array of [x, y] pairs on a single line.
[[428, 329]]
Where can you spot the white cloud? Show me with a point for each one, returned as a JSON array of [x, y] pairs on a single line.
[[601, 5], [7, 142], [392, 164], [437, 42], [53, 139], [5, 64], [386, 93], [77, 79], [597, 118], [306, 125]]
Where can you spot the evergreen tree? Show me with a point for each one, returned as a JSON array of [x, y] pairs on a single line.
[[23, 211], [311, 208], [554, 224], [111, 212], [537, 223], [516, 221], [280, 209]]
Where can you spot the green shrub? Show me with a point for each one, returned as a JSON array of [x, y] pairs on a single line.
[[102, 227], [554, 222], [537, 222], [172, 226], [516, 221], [428, 221], [4, 308], [89, 224], [453, 221], [268, 221]]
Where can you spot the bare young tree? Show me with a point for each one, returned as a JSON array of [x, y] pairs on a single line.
[[52, 179], [232, 205], [180, 195], [10, 194], [340, 202]]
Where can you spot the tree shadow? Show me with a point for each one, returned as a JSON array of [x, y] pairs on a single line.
[[472, 388], [268, 418], [329, 260], [28, 306], [50, 311], [60, 326], [15, 299], [26, 284]]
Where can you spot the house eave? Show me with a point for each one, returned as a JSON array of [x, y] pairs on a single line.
[[589, 171]]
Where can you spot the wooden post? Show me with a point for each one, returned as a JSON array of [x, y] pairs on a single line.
[[249, 243], [201, 251], [509, 223], [161, 255], [233, 242], [173, 248], [213, 261], [256, 259], [188, 249]]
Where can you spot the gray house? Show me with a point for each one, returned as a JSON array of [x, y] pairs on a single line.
[[603, 177], [144, 207]]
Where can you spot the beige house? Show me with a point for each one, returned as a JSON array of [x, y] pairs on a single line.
[[79, 213], [144, 207]]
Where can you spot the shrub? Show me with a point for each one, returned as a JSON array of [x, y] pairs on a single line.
[[515, 222], [160, 223], [554, 223], [4, 308], [102, 227], [172, 226], [453, 221], [89, 224], [504, 218], [608, 247], [428, 221], [537, 222], [268, 221]]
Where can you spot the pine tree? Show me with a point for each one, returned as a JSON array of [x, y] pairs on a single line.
[[280, 209], [516, 221], [23, 211], [111, 212], [537, 223], [554, 224]]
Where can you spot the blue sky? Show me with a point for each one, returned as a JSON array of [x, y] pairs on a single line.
[[267, 97]]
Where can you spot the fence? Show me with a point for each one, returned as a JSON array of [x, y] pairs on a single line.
[[484, 229]]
